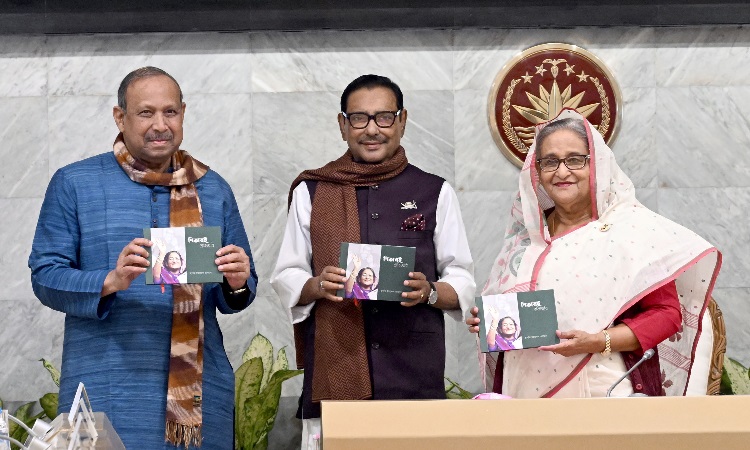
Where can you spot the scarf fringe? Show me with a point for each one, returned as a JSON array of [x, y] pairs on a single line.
[[180, 434]]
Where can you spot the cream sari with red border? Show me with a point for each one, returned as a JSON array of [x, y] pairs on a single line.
[[598, 271]]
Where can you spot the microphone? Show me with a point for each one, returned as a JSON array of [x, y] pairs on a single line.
[[646, 355]]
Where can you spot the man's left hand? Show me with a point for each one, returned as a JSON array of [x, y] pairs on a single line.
[[420, 289], [234, 263]]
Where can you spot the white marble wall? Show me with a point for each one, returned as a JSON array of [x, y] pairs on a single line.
[[262, 107]]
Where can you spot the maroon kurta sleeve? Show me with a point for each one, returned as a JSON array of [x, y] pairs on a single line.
[[655, 318]]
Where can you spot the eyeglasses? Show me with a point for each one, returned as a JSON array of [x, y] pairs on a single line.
[[360, 120], [574, 162]]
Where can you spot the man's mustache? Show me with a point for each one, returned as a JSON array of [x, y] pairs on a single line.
[[167, 136]]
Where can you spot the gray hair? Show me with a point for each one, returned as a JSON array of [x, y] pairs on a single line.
[[137, 74], [572, 124]]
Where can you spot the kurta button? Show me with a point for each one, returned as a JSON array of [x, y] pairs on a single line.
[[374, 187], [154, 221], [375, 345], [375, 216], [153, 198], [374, 310], [638, 387]]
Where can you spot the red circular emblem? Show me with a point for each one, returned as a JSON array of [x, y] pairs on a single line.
[[538, 83]]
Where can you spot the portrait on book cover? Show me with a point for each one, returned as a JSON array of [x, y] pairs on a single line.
[[504, 330], [362, 272], [169, 256]]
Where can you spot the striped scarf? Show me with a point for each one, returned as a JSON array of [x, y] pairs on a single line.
[[184, 389], [341, 370]]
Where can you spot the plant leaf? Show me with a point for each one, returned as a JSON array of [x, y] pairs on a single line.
[[54, 373], [247, 382], [264, 408], [49, 404], [261, 347], [281, 363], [459, 391], [737, 379]]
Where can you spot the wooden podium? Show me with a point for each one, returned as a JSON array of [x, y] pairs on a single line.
[[699, 423]]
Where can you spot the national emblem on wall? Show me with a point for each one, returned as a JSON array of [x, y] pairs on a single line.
[[538, 83]]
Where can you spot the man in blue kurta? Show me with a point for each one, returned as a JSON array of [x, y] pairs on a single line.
[[123, 337]]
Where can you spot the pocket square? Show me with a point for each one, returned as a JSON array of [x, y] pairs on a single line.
[[415, 222]]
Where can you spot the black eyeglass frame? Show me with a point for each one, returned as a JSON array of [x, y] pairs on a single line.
[[564, 161], [371, 117]]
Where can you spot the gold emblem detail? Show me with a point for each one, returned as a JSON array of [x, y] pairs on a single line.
[[538, 83]]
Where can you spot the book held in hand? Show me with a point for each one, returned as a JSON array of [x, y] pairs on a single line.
[[182, 255], [517, 320], [375, 272]]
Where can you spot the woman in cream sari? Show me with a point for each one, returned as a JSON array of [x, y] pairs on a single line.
[[625, 279]]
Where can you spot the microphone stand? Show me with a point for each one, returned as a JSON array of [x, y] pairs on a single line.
[[646, 355]]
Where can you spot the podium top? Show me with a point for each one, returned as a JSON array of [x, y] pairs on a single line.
[[644, 423]]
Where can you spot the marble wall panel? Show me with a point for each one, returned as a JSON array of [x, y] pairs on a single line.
[[485, 215], [23, 136], [79, 127], [648, 197], [245, 205], [18, 223], [200, 62], [719, 216], [23, 66], [703, 133], [428, 139], [330, 60], [461, 356], [30, 331], [217, 131], [270, 211], [480, 165], [292, 132], [635, 145], [287, 431], [736, 308], [703, 56]]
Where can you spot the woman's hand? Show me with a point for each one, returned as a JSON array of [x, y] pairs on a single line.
[[576, 342], [474, 320], [161, 249], [357, 261], [495, 315], [622, 339]]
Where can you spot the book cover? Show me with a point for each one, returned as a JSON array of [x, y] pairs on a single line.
[[183, 255], [375, 272], [517, 320]]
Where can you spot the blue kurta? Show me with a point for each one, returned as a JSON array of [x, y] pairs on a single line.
[[119, 345]]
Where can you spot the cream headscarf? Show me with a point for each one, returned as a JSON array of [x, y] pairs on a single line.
[[598, 271]]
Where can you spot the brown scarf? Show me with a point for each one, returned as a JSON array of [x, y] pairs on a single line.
[[184, 391], [341, 368]]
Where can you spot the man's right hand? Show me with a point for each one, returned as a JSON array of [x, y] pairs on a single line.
[[132, 262], [473, 321], [324, 286]]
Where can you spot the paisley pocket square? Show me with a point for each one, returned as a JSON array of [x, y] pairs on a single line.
[[415, 222]]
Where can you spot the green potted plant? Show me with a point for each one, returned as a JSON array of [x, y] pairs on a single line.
[[735, 378], [257, 392]]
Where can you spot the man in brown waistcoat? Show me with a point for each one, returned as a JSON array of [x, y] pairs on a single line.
[[371, 349]]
